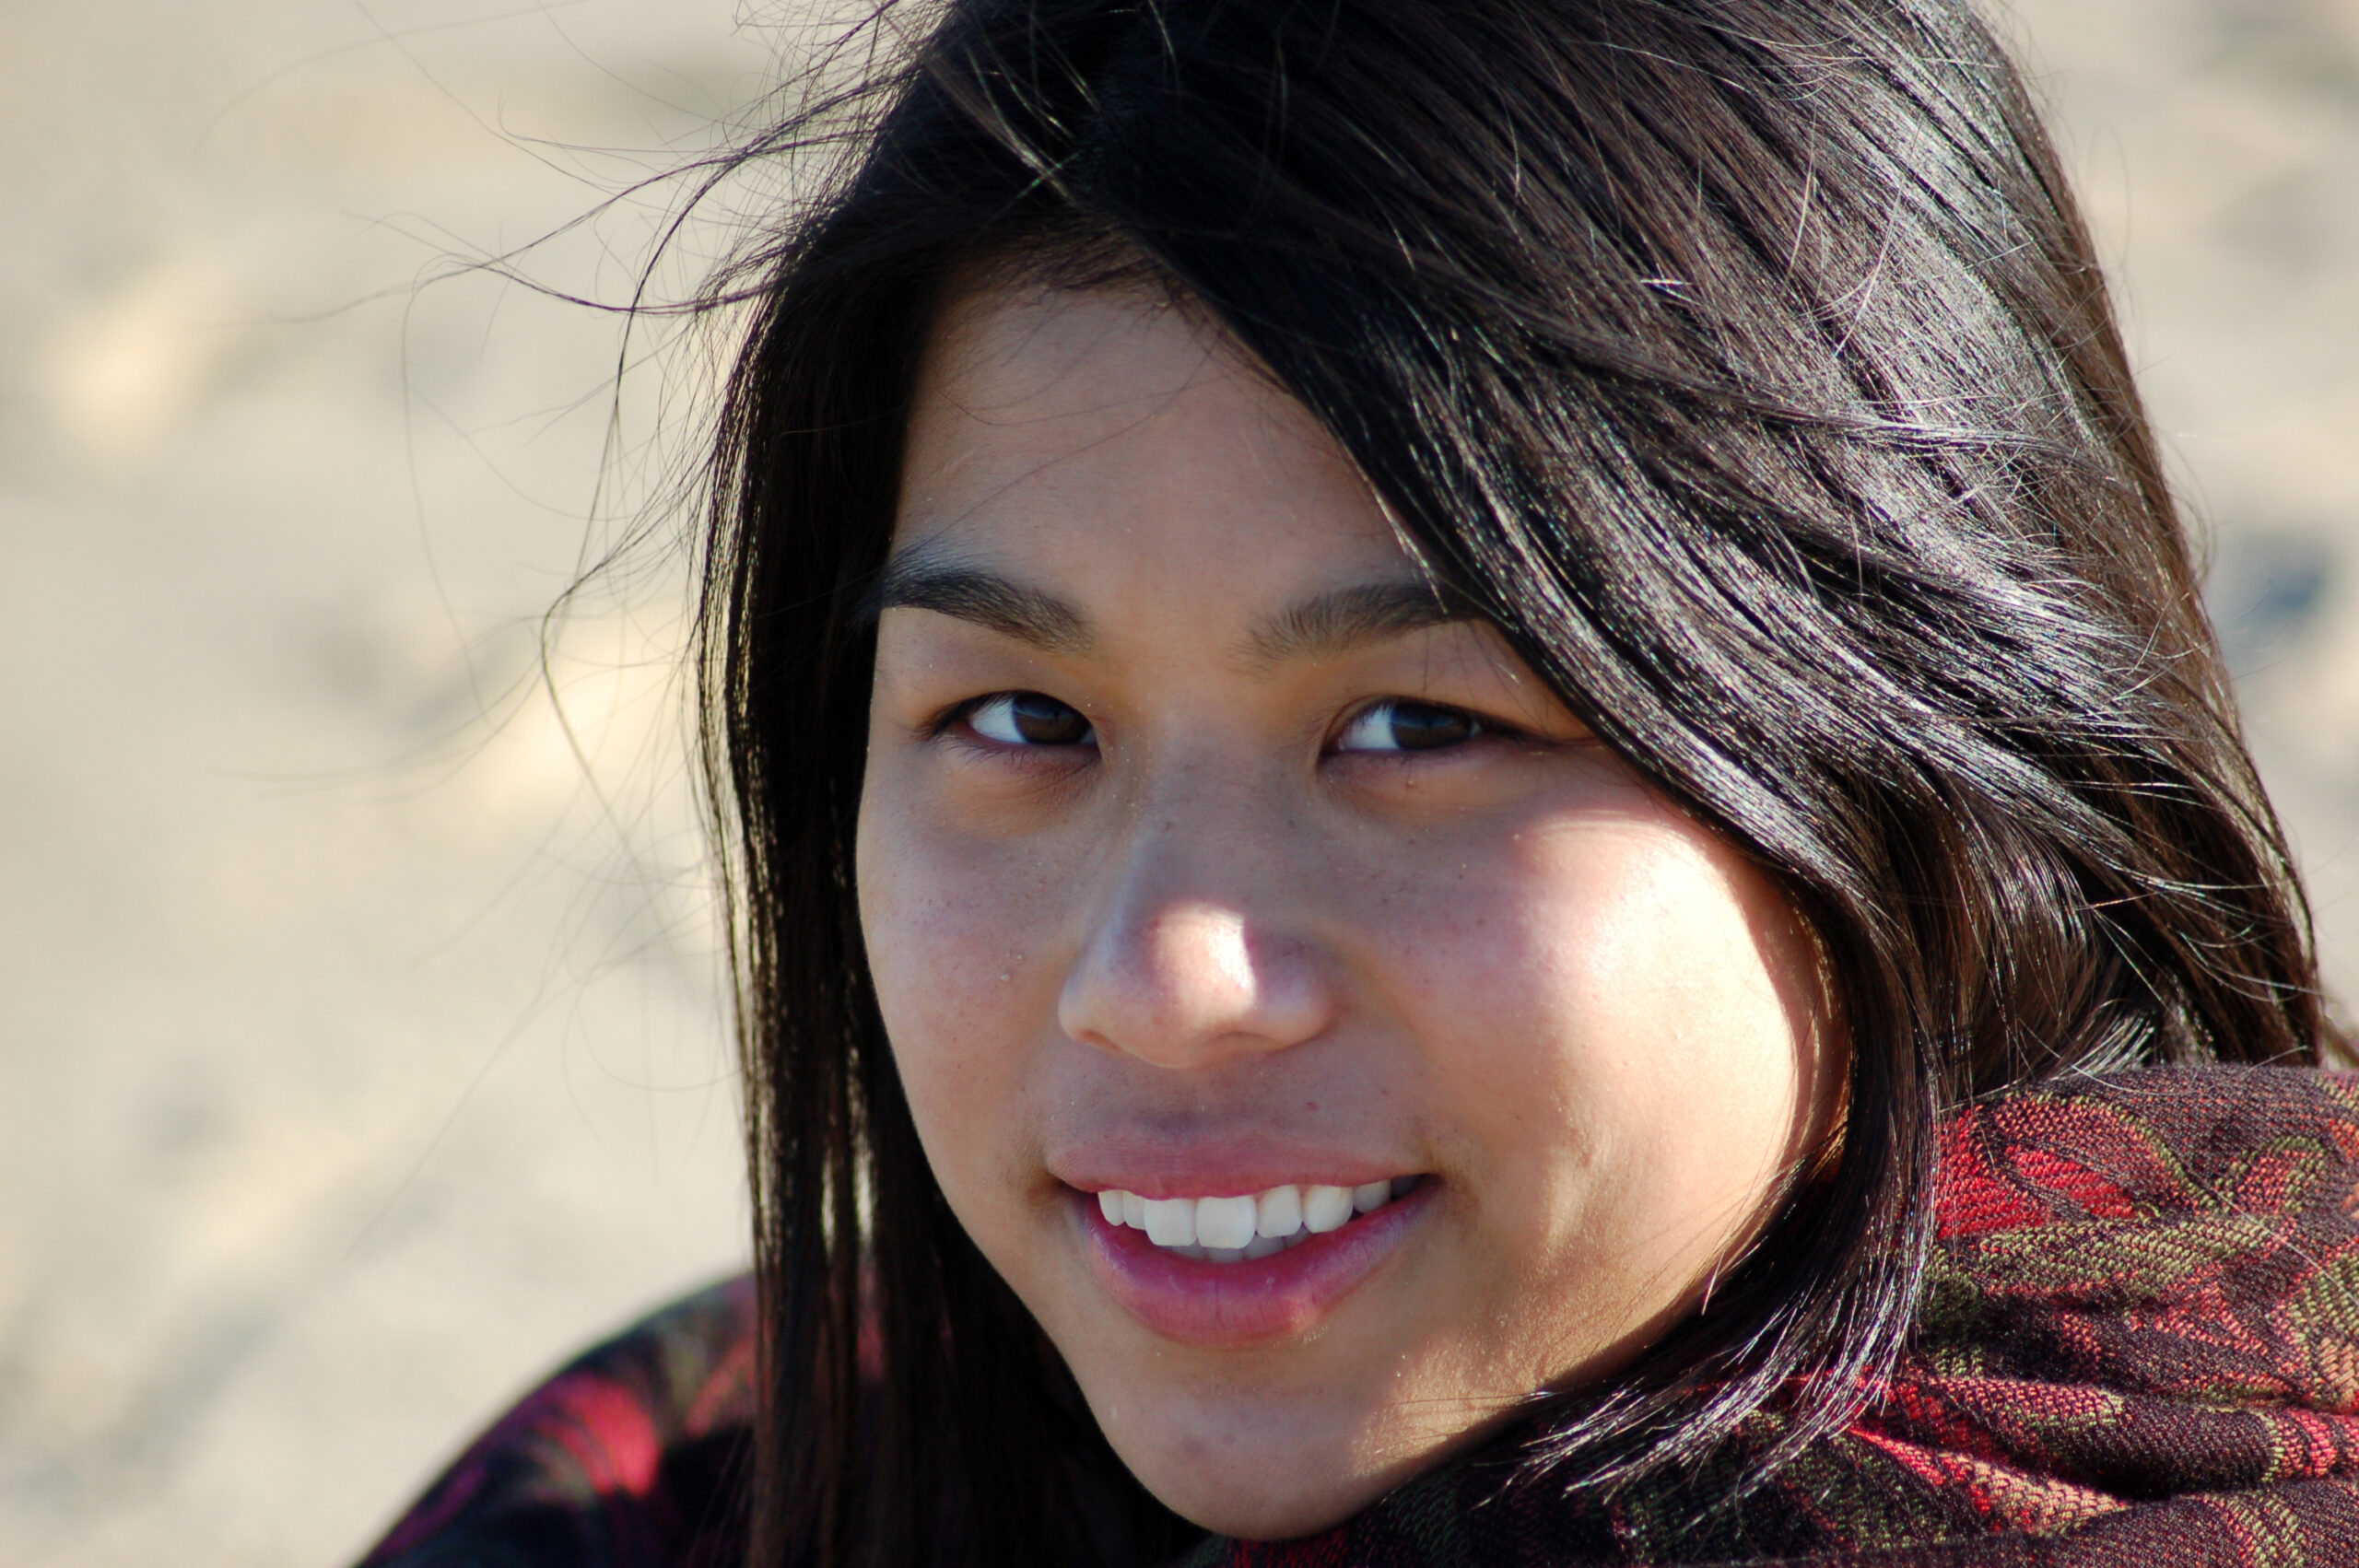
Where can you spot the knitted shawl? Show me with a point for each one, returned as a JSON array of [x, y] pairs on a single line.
[[2138, 1348]]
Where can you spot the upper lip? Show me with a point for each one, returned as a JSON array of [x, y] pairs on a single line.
[[1158, 1165]]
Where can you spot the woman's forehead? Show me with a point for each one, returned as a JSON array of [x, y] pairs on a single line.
[[1038, 367], [1104, 446]]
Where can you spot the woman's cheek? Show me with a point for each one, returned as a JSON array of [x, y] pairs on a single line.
[[962, 946], [1608, 1058]]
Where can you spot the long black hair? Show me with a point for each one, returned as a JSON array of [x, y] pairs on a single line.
[[1745, 362]]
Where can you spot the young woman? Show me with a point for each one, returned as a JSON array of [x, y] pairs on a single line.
[[1481, 813]]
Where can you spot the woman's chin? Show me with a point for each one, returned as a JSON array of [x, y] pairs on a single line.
[[1264, 1498], [1259, 1473]]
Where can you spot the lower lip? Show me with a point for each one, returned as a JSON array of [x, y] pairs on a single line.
[[1218, 1305]]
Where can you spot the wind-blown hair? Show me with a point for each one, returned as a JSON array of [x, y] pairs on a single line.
[[1746, 363]]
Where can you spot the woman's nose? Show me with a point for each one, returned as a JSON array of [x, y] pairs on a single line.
[[1179, 979]]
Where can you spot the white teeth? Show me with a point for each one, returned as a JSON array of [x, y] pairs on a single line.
[[1231, 1230], [1171, 1222], [1226, 1223], [1325, 1208]]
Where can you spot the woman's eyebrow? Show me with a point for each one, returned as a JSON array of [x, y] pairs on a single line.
[[1028, 615], [1337, 621], [1319, 625]]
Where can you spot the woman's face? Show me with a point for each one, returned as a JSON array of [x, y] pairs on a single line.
[[1207, 867]]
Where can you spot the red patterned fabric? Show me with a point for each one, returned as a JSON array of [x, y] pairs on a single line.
[[2139, 1349]]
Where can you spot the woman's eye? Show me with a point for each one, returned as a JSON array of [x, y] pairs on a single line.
[[1028, 719], [1403, 726]]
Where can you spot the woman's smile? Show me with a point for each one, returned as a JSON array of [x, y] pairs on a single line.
[[1329, 1039], [1216, 1289]]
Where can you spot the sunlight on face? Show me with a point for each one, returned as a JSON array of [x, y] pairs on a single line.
[[1329, 1039]]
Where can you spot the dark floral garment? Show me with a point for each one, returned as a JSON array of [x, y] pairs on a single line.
[[2139, 1349]]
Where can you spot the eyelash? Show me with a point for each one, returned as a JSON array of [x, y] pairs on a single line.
[[1478, 726], [965, 711]]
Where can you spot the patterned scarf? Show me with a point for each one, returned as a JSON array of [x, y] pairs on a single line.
[[2139, 1349]]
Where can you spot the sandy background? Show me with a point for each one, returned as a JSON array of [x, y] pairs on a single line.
[[359, 1048]]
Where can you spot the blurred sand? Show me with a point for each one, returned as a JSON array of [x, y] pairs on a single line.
[[357, 1058]]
